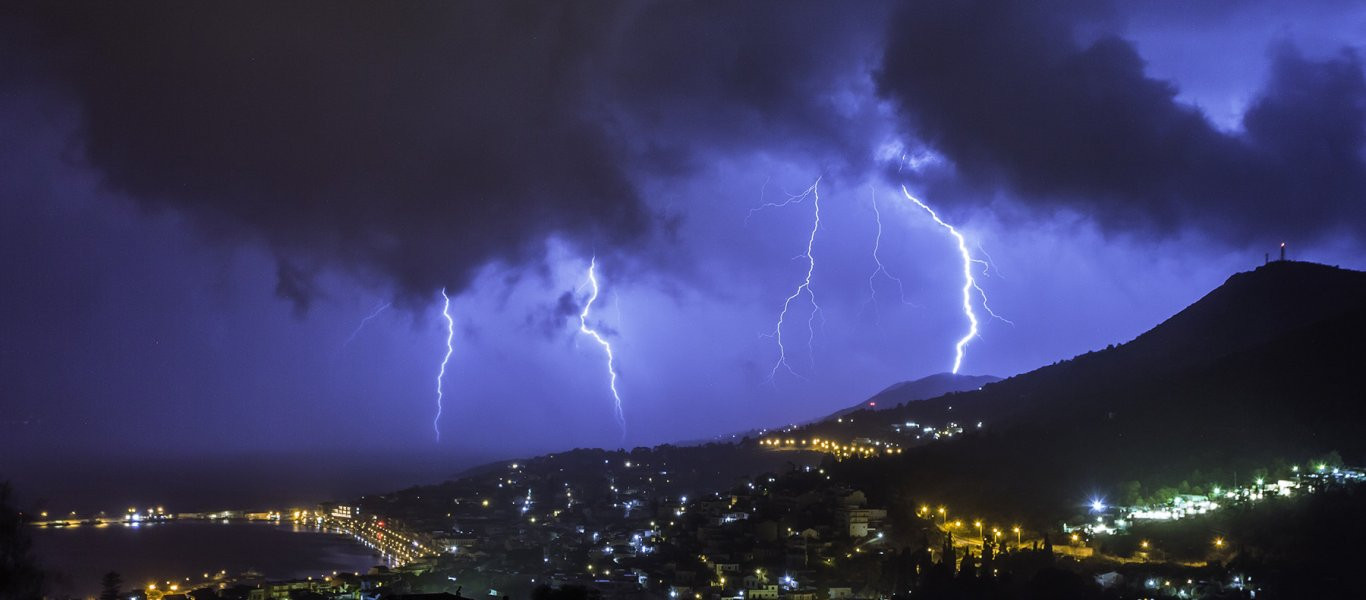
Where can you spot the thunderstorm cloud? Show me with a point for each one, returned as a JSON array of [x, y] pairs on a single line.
[[412, 144], [417, 142], [1041, 103]]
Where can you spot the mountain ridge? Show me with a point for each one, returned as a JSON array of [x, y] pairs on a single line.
[[1263, 370], [1213, 326]]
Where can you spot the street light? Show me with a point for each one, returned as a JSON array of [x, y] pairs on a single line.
[[1017, 535], [944, 514], [1218, 542], [979, 528]]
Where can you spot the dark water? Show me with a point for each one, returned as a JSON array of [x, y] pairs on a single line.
[[79, 556]]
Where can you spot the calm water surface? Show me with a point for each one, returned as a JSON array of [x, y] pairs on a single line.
[[79, 556]]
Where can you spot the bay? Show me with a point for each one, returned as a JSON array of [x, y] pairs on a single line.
[[77, 557]]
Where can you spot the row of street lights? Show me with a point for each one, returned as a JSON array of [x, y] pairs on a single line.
[[996, 532]]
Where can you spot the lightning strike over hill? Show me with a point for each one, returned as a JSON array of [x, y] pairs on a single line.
[[450, 349], [804, 288], [969, 284], [606, 346]]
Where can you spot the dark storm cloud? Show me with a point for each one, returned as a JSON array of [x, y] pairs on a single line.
[[414, 143], [702, 76], [550, 320], [1032, 98], [294, 284]]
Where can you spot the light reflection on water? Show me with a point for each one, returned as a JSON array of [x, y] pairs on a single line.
[[79, 556]]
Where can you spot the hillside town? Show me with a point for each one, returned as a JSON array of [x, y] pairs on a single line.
[[623, 529]]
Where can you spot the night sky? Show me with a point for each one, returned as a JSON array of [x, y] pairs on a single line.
[[201, 203]]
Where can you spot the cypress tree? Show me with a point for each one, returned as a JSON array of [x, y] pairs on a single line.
[[110, 586]]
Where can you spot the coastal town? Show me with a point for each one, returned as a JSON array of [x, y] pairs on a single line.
[[623, 525]]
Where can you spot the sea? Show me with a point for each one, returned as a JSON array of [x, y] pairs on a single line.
[[191, 552]]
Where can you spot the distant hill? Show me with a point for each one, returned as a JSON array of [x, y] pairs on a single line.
[[1265, 368], [931, 386]]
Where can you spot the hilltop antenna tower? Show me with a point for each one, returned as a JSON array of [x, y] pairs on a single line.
[[1282, 251]]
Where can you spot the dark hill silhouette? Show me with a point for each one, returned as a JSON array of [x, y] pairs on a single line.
[[1266, 367], [1247, 311], [931, 386], [890, 398]]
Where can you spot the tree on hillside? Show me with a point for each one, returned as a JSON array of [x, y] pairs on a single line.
[[1129, 493], [20, 577], [110, 586], [967, 569]]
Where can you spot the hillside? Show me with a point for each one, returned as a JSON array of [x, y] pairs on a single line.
[[1264, 368], [931, 386], [1248, 311]]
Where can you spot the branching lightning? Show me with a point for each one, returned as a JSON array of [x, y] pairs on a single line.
[[791, 199], [373, 314], [812, 192], [989, 264], [969, 284], [450, 349], [877, 245], [987, 307], [606, 346]]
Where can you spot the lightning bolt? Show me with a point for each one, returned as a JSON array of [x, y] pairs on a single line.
[[989, 264], [987, 307], [877, 245], [450, 349], [606, 346], [812, 192], [791, 199], [969, 284], [361, 326]]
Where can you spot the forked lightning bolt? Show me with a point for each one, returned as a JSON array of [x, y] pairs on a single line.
[[969, 284], [812, 192], [791, 199], [987, 307], [450, 349], [606, 346], [988, 266], [877, 245]]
